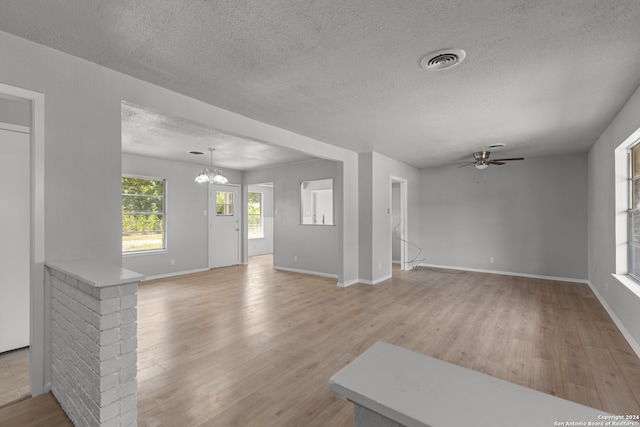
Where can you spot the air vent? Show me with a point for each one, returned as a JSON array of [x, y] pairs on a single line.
[[442, 59], [195, 153]]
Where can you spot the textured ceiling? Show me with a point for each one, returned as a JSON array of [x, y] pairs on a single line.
[[542, 76], [147, 132]]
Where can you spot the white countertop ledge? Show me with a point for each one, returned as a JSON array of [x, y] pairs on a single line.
[[417, 391], [95, 273]]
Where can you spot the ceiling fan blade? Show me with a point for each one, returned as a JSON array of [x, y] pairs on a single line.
[[467, 164], [507, 160], [460, 162], [495, 162]]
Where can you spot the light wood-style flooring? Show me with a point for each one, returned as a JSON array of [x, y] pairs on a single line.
[[251, 346], [14, 375]]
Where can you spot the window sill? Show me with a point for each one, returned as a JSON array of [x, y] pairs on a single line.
[[149, 252], [629, 283], [255, 238]]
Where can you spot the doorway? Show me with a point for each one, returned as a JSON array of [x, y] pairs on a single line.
[[399, 222], [225, 207], [260, 219], [15, 229], [33, 104]]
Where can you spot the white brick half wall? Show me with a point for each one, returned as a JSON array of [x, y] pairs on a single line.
[[94, 342]]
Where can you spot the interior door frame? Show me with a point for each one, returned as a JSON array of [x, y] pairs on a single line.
[[39, 382], [239, 207], [403, 219]]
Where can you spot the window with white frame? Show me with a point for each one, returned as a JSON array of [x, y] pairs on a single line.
[[143, 214], [254, 216], [633, 227]]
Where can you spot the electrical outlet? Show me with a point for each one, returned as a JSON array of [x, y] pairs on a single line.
[[295, 258], [379, 266], [491, 260], [173, 261], [205, 212]]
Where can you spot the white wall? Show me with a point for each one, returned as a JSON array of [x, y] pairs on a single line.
[[622, 303], [529, 215], [264, 245]]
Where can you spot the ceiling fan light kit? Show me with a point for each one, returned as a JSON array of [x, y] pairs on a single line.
[[481, 160]]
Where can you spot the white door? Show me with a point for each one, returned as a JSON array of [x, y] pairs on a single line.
[[14, 237], [225, 209]]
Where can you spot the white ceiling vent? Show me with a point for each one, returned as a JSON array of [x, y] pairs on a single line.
[[442, 59]]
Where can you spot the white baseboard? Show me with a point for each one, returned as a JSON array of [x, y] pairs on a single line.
[[506, 273], [176, 273], [313, 273], [375, 282], [347, 284], [632, 342]]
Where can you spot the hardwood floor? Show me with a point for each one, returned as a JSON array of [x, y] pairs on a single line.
[[14, 376], [41, 411], [251, 346]]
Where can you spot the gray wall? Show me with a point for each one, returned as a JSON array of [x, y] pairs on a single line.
[[263, 245], [315, 246], [187, 236], [529, 215], [622, 303]]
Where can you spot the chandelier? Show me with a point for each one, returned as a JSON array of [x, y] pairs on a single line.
[[212, 175]]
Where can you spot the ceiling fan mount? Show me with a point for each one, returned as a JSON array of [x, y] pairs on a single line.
[[481, 160]]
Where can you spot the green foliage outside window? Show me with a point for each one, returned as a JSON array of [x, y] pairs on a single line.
[[142, 214], [254, 215], [224, 203]]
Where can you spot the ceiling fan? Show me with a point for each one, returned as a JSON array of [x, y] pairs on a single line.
[[481, 160]]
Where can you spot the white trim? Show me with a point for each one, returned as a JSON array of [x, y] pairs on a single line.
[[508, 273], [377, 281], [632, 342], [175, 273], [632, 285], [313, 273], [347, 284], [621, 201], [14, 128], [403, 218]]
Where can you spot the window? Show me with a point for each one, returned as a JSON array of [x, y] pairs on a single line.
[[316, 202], [254, 216], [224, 203], [634, 212], [143, 214]]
